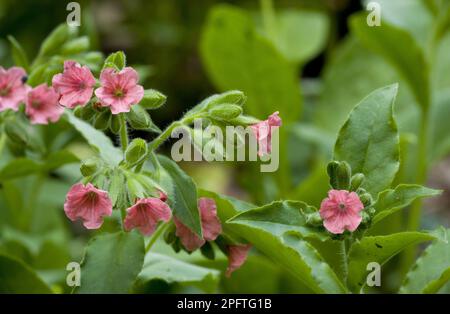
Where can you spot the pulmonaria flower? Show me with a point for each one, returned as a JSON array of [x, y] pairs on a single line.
[[12, 88], [75, 84], [237, 254], [119, 90], [42, 105], [88, 204], [146, 214], [211, 226], [263, 133], [340, 211]]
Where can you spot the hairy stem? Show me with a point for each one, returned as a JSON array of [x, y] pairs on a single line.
[[123, 132]]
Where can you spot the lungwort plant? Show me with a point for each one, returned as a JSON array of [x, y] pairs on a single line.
[[149, 220]]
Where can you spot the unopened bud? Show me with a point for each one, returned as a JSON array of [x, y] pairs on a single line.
[[102, 120], [114, 124], [139, 118], [136, 151], [356, 181], [344, 172], [366, 199], [89, 166], [314, 219], [225, 112], [332, 173]]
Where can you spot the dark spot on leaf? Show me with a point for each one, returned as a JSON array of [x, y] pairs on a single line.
[[378, 246]]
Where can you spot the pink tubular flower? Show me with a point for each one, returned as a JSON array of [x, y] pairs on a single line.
[[146, 214], [211, 226], [89, 204], [119, 90], [42, 105], [263, 133], [340, 211], [237, 254], [75, 84], [12, 88]]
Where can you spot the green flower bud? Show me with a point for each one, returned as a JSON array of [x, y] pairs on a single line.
[[231, 97], [87, 113], [78, 112], [136, 151], [314, 219], [169, 235], [139, 118], [114, 124], [343, 175], [332, 173], [356, 181], [365, 218], [225, 112], [366, 199], [102, 120], [89, 166], [152, 99]]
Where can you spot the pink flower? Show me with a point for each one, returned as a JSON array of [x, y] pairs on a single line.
[[263, 133], [119, 90], [42, 105], [340, 211], [12, 88], [89, 204], [146, 214], [211, 226], [75, 84], [237, 254]]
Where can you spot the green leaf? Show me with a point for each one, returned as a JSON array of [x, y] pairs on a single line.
[[152, 99], [116, 60], [378, 249], [301, 35], [112, 263], [19, 167], [59, 158], [172, 270], [77, 45], [430, 271], [392, 200], [53, 43], [19, 56], [400, 49], [184, 197], [237, 56], [279, 230], [16, 277], [369, 136], [96, 139]]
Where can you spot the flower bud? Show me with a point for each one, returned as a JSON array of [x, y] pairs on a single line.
[[344, 172], [87, 113], [231, 97], [89, 166], [332, 173], [365, 218], [136, 151], [314, 219], [225, 112], [139, 118], [152, 99], [114, 124], [366, 199], [356, 181], [102, 120], [169, 234]]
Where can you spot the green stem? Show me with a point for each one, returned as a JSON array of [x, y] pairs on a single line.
[[344, 260], [123, 132], [156, 236]]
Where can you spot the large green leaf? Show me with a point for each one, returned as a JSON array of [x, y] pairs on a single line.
[[430, 271], [183, 196], [18, 168], [112, 263], [279, 230], [301, 35], [16, 277], [370, 136], [172, 270], [96, 139], [378, 249], [391, 200], [236, 56], [399, 48]]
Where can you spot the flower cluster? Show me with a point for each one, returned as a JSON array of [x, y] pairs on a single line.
[[118, 90], [91, 205]]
